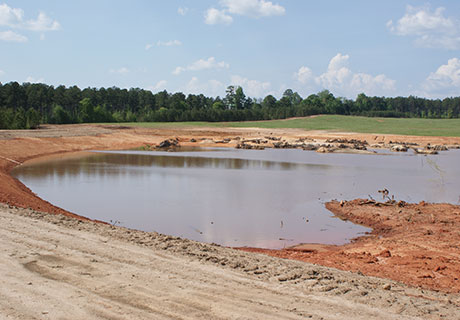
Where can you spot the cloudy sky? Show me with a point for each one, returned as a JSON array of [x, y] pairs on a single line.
[[389, 48]]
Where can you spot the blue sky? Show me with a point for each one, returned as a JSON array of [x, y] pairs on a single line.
[[385, 48]]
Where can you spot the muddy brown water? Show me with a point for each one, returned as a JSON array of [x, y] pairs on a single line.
[[268, 198]]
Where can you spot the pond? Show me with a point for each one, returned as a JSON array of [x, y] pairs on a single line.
[[267, 198]]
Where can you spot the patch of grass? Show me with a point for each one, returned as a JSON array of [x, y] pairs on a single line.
[[411, 126], [145, 147], [416, 127]]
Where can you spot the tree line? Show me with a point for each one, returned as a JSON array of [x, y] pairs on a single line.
[[29, 105]]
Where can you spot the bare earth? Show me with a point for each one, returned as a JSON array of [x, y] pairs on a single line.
[[418, 244], [55, 267], [67, 267]]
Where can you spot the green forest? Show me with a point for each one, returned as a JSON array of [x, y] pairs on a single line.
[[26, 106]]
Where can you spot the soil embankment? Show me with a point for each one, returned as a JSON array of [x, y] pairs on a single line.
[[414, 244]]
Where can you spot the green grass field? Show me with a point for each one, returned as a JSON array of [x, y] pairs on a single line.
[[417, 127]]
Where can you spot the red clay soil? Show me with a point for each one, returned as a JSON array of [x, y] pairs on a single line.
[[417, 244]]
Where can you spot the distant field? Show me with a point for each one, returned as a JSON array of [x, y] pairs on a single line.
[[417, 127]]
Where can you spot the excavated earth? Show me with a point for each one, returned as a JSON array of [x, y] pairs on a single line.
[[418, 244], [58, 265]]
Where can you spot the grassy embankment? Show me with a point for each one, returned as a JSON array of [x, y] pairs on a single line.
[[412, 126]]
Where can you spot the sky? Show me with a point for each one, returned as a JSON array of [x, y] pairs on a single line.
[[382, 48]]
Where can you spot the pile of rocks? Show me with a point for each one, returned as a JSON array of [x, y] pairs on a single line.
[[168, 144]]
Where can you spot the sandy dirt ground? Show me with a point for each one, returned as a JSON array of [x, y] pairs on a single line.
[[64, 266], [57, 267]]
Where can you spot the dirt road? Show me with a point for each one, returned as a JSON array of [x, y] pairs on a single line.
[[55, 267]]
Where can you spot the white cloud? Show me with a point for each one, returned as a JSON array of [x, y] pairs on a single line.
[[372, 85], [304, 75], [201, 64], [252, 88], [210, 87], [248, 8], [253, 8], [170, 43], [337, 73], [122, 71], [179, 70], [182, 11], [340, 80], [159, 86], [42, 23], [10, 17], [430, 29], [14, 18], [445, 80], [34, 80], [2, 72], [12, 36], [214, 16], [208, 64]]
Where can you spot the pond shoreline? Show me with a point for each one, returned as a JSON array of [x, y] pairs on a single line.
[[27, 145], [411, 243]]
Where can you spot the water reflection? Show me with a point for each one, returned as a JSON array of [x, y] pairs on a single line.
[[270, 198], [103, 164]]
